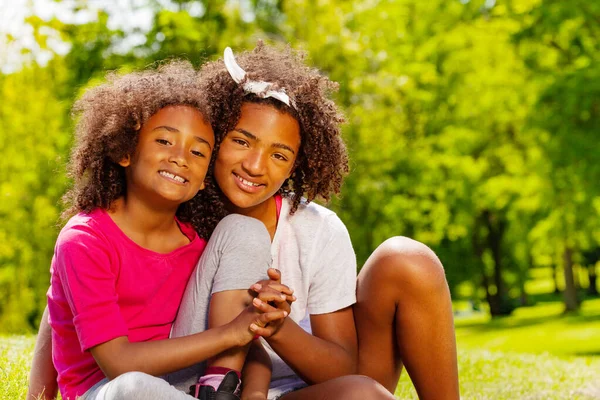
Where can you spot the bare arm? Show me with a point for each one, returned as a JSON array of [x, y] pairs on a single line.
[[333, 340], [159, 357], [256, 374], [42, 377]]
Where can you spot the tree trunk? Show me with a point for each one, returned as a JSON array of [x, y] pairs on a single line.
[[500, 304], [592, 289], [570, 293]]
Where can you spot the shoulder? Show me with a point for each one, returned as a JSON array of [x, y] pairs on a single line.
[[316, 219], [82, 229]]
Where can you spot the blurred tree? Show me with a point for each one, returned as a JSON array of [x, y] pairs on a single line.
[[34, 136], [560, 43], [437, 101]]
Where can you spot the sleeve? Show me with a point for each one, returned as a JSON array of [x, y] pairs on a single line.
[[333, 283], [89, 283]]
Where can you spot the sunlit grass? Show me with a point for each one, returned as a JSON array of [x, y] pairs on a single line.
[[539, 329], [15, 361], [536, 353], [507, 376]]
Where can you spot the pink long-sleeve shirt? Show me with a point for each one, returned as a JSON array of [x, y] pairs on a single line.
[[103, 286]]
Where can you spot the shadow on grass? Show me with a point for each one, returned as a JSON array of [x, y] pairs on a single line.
[[501, 323], [595, 353]]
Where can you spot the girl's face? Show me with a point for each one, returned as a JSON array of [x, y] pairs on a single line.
[[257, 156], [172, 156]]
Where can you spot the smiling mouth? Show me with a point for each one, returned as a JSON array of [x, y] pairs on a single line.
[[246, 182], [173, 177]]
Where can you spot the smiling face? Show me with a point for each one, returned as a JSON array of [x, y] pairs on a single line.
[[171, 158], [257, 156]]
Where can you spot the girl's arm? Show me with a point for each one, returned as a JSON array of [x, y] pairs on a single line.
[[160, 357], [333, 346], [256, 374], [42, 377]]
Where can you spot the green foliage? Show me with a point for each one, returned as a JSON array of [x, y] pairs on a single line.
[[472, 126], [33, 141]]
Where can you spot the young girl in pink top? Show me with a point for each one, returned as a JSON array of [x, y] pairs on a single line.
[[139, 219]]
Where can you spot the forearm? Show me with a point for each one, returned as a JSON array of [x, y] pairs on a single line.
[[42, 377], [256, 374], [324, 361], [161, 356]]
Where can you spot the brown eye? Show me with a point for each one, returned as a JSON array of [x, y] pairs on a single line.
[[241, 142]]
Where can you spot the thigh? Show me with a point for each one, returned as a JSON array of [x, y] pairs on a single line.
[[375, 314], [353, 387]]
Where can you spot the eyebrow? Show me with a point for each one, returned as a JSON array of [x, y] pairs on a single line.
[[253, 137], [171, 129]]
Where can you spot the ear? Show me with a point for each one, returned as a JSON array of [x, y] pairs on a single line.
[[125, 162]]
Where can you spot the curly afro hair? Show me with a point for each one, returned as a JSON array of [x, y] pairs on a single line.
[[322, 161], [109, 118]]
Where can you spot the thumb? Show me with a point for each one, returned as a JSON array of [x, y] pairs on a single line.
[[274, 275]]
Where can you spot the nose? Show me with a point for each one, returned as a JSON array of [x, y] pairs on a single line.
[[254, 163], [178, 156]]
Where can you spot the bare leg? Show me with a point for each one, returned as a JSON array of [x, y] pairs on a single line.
[[351, 387], [403, 314], [224, 307]]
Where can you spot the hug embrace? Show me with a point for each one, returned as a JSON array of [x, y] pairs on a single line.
[[195, 264]]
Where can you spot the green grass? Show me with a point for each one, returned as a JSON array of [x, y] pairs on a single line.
[[15, 361], [502, 375], [537, 353]]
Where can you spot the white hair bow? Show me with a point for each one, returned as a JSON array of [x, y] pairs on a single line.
[[259, 88]]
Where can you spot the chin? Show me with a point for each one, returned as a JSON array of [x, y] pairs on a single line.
[[242, 201]]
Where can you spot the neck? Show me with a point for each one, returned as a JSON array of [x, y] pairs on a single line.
[[134, 215]]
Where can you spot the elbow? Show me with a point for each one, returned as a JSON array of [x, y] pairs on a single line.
[[113, 371]]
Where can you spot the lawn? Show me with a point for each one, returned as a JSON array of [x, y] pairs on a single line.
[[537, 353]]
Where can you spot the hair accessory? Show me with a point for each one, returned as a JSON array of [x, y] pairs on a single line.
[[259, 88]]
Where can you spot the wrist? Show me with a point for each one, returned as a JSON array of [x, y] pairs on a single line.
[[234, 335], [279, 335]]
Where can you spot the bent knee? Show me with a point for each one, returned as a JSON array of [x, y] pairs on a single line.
[[239, 221], [405, 262], [239, 228]]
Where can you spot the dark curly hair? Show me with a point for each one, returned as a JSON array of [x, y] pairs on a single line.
[[322, 161], [109, 118]]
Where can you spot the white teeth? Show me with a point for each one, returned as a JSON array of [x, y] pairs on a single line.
[[245, 182], [174, 177]]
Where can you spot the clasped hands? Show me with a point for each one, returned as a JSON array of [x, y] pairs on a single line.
[[272, 300]]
